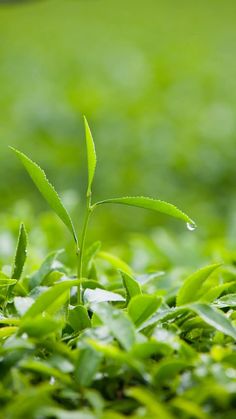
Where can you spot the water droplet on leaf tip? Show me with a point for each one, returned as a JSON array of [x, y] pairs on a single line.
[[191, 226]]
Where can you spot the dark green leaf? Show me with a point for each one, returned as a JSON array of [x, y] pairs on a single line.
[[47, 190], [87, 366], [21, 253]]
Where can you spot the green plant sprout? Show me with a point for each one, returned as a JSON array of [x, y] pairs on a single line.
[[51, 196]]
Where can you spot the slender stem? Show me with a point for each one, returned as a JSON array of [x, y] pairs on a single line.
[[89, 210]]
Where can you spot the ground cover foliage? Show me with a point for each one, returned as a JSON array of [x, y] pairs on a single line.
[[105, 341]]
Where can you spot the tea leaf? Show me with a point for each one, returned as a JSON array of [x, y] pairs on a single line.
[[40, 326], [91, 155], [50, 297], [115, 261], [47, 190], [189, 291], [7, 331], [152, 204], [21, 253], [141, 307], [214, 318], [132, 287], [117, 322], [146, 398], [45, 269], [87, 365], [78, 318]]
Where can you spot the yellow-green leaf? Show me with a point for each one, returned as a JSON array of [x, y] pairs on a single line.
[[189, 291], [91, 155]]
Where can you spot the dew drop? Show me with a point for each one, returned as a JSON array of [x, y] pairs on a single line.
[[191, 226]]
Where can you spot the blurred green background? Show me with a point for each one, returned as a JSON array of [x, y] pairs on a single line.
[[156, 80]]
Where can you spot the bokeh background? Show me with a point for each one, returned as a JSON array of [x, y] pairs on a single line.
[[156, 80]]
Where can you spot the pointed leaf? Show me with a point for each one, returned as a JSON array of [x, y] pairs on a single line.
[[47, 190], [132, 287], [45, 269], [189, 291], [91, 155], [115, 261], [44, 369], [78, 318], [40, 326], [155, 408], [141, 307], [49, 297], [7, 331], [87, 365], [117, 322], [228, 300], [21, 253], [89, 256], [152, 204], [214, 318]]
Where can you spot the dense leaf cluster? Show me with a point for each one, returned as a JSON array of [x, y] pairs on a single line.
[[134, 347], [108, 343]]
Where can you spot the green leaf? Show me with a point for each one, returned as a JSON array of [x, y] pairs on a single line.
[[151, 347], [150, 401], [189, 407], [132, 287], [87, 365], [50, 297], [189, 291], [167, 369], [152, 204], [40, 326], [117, 322], [43, 368], [91, 155], [7, 331], [89, 257], [6, 282], [116, 354], [141, 307], [116, 262], [214, 318], [45, 269], [99, 295], [215, 292], [47, 190], [21, 253], [228, 300], [78, 318]]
